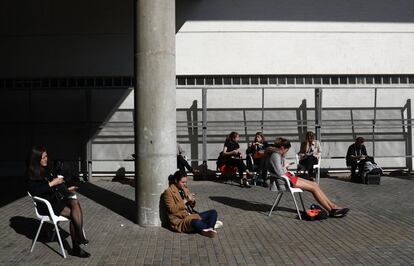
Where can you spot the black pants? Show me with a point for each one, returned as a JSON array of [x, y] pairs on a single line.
[[241, 167], [308, 163], [182, 164], [354, 164]]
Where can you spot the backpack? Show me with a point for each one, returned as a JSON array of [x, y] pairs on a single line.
[[371, 168], [315, 213]]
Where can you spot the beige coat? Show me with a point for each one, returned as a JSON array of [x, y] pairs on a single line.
[[316, 149], [180, 218]]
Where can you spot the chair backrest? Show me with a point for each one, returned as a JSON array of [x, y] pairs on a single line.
[[35, 205], [48, 205]]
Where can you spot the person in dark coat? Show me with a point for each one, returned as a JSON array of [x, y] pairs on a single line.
[[44, 184], [355, 157]]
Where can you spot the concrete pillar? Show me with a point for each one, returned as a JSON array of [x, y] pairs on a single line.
[[155, 107]]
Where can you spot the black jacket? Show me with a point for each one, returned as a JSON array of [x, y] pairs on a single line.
[[354, 150]]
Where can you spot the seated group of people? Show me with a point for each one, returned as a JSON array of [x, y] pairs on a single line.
[[231, 155], [180, 201]]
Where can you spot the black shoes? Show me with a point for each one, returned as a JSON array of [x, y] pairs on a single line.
[[338, 213], [78, 252]]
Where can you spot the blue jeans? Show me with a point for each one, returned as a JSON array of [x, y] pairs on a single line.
[[208, 220]]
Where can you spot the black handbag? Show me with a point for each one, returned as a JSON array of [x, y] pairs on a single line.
[[61, 192]]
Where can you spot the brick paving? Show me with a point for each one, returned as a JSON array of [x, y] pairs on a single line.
[[379, 230]]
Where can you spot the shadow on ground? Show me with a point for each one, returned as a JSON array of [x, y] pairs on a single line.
[[248, 205], [116, 203], [28, 227]]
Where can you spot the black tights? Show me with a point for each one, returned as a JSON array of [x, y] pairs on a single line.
[[73, 212]]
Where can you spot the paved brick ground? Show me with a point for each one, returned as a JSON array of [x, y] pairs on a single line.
[[378, 231]]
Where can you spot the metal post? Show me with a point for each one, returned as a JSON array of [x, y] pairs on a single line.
[[373, 122], [204, 118], [89, 160], [263, 101], [409, 147], [318, 112], [352, 125], [194, 133]]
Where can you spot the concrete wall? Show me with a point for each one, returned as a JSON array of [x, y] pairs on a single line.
[[45, 38]]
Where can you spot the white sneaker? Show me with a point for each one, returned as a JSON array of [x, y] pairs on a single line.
[[211, 233], [219, 224]]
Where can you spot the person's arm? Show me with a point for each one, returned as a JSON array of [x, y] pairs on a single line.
[[276, 164], [251, 149], [172, 207], [180, 150], [302, 150], [351, 153], [364, 150], [230, 153]]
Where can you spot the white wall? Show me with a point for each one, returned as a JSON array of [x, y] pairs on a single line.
[[272, 47]]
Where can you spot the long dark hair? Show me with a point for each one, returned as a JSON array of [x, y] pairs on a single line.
[[261, 135], [232, 136], [172, 179], [34, 170]]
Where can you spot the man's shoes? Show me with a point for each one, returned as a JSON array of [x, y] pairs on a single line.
[[211, 233], [219, 224], [78, 252]]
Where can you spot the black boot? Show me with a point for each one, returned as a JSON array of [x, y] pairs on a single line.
[[78, 252]]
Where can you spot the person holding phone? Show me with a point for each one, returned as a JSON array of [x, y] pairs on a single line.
[[180, 203], [277, 167], [356, 154], [309, 154], [43, 183]]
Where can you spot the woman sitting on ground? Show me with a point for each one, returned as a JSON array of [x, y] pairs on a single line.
[[44, 184], [277, 167], [232, 157], [180, 206]]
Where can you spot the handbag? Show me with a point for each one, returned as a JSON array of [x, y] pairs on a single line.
[[61, 192]]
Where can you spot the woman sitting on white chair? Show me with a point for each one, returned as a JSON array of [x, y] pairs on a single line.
[[277, 166], [42, 183], [309, 154]]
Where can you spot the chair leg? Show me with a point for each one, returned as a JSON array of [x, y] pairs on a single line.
[[37, 235], [301, 200], [318, 175], [60, 240], [276, 202], [297, 208]]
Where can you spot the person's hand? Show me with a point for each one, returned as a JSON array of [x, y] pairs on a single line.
[[287, 165], [56, 181], [73, 188]]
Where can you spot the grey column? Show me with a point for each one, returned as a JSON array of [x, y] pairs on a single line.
[[155, 108]]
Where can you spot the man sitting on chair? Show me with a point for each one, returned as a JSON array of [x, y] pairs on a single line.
[[354, 158]]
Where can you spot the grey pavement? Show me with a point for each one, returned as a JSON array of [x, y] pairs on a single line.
[[379, 230]]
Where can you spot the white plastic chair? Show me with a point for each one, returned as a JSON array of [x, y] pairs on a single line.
[[289, 189], [316, 167], [51, 217]]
